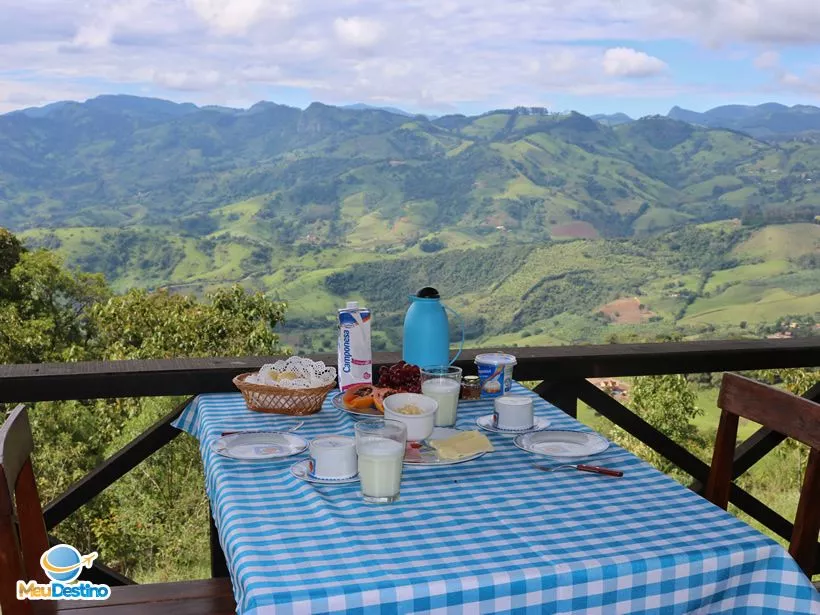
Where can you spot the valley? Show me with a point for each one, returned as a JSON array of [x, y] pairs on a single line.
[[539, 228]]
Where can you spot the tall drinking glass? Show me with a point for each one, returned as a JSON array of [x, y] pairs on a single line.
[[380, 447], [443, 383]]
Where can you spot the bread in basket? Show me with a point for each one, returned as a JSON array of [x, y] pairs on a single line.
[[295, 386]]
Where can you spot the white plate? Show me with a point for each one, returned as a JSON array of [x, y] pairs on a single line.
[[337, 402], [562, 444], [429, 457], [301, 470], [486, 423], [259, 446]]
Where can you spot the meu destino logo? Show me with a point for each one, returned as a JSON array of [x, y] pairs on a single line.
[[63, 564]]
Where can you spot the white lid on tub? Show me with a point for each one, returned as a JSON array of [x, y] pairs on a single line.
[[332, 441], [352, 305], [496, 358], [513, 400]]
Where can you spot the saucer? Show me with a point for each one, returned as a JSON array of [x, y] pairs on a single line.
[[486, 423], [259, 446], [301, 470]]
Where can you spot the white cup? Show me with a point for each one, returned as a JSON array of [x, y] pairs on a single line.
[[513, 412], [333, 457], [419, 426]]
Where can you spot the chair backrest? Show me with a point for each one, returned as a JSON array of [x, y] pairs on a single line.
[[788, 414], [23, 537]]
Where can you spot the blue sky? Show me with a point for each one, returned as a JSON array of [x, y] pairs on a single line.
[[434, 56]]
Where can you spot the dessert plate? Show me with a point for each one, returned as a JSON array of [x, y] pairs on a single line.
[[259, 446], [372, 411], [301, 470], [567, 445], [486, 423], [339, 403], [425, 455]]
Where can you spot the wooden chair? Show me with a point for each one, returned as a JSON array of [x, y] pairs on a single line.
[[793, 416], [23, 540]]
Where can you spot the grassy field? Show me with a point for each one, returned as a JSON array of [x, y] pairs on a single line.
[[747, 273], [743, 303], [552, 296], [781, 242]]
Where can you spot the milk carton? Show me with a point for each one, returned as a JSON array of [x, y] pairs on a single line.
[[355, 355]]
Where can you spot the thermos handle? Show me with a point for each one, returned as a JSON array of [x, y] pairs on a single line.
[[461, 322]]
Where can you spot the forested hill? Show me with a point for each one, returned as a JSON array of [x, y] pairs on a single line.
[[676, 228], [325, 172]]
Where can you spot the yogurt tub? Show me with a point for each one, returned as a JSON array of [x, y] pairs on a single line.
[[333, 456], [513, 412], [495, 371]]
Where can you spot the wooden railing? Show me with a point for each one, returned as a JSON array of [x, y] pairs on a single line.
[[562, 373]]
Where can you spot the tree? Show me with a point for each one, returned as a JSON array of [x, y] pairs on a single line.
[[433, 244], [667, 403], [143, 325], [10, 251], [44, 308], [152, 522]]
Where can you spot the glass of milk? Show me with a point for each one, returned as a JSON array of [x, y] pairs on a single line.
[[380, 447], [443, 383]]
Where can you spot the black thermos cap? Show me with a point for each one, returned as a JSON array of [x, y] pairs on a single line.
[[428, 292]]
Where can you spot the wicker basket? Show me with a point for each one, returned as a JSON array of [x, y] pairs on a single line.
[[278, 400]]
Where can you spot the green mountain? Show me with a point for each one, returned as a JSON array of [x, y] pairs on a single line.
[[545, 220], [121, 160], [612, 119], [766, 121]]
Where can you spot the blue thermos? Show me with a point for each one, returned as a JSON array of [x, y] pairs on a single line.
[[427, 331]]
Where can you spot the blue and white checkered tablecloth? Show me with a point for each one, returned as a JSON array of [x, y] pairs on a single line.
[[488, 536]]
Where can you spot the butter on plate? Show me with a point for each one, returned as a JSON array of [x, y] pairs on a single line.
[[461, 445]]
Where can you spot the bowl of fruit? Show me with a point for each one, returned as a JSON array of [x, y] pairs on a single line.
[[368, 399]]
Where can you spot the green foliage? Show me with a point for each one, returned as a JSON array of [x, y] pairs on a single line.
[[44, 310], [154, 520], [667, 403], [141, 325], [10, 251], [387, 283], [433, 244], [797, 381]]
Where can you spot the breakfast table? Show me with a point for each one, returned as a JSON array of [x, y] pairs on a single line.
[[491, 535]]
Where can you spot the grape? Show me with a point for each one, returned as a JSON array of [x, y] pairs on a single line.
[[401, 376]]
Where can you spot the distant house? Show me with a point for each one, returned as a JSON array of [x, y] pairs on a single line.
[[612, 387], [780, 335]]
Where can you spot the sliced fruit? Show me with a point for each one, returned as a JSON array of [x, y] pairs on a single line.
[[379, 393], [358, 398]]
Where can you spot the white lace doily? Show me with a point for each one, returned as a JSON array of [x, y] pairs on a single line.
[[294, 373]]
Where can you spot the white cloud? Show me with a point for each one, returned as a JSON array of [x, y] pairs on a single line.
[[187, 80], [237, 16], [726, 21], [357, 32], [767, 60], [626, 62], [807, 83], [92, 36], [433, 54], [17, 95]]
